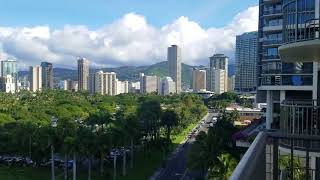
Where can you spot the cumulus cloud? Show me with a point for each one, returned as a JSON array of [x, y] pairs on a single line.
[[130, 40]]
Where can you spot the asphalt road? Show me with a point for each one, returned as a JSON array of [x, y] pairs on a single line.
[[176, 166]]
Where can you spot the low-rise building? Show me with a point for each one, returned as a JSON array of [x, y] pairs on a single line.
[[167, 86], [134, 87], [7, 84]]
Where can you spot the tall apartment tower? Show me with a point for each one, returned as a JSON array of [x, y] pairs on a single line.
[[277, 79], [35, 78], [289, 81], [47, 75], [83, 74], [246, 62], [149, 84], [174, 61], [219, 62], [199, 82], [105, 83]]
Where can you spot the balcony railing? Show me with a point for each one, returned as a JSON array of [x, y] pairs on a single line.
[[272, 42], [301, 117], [273, 11], [268, 159], [266, 57]]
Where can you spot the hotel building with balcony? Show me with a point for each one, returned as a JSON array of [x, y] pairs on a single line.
[[288, 80]]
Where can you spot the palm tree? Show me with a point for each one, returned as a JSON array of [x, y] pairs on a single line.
[[132, 129], [169, 119], [86, 145], [223, 168]]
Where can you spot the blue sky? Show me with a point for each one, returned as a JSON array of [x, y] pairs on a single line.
[[96, 13]]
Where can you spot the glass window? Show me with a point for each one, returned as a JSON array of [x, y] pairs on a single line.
[[297, 80], [297, 68]]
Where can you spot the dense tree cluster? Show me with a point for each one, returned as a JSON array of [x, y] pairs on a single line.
[[221, 101], [88, 127]]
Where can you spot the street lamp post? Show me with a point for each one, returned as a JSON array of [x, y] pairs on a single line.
[[54, 121]]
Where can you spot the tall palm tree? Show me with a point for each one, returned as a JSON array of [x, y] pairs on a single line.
[[223, 168], [169, 119]]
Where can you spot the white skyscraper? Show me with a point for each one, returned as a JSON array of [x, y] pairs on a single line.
[[218, 81], [219, 61], [174, 61], [122, 87], [35, 78], [105, 83]]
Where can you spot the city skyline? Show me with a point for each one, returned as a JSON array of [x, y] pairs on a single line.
[[133, 38]]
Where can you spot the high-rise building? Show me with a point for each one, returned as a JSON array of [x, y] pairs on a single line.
[[69, 85], [199, 82], [174, 61], [141, 75], [279, 79], [9, 67], [150, 84], [218, 62], [105, 83], [231, 83], [289, 81], [122, 87], [47, 75], [218, 81], [35, 78], [83, 74], [166, 86], [7, 84], [246, 62]]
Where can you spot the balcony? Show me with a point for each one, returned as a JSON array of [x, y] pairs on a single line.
[[301, 117], [271, 1], [267, 158], [268, 14], [272, 28], [270, 57], [272, 43], [300, 35]]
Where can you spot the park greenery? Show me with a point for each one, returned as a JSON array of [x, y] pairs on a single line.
[[221, 101], [86, 128]]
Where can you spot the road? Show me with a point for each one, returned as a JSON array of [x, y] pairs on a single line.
[[176, 166]]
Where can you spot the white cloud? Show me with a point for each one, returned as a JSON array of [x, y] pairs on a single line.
[[128, 41]]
